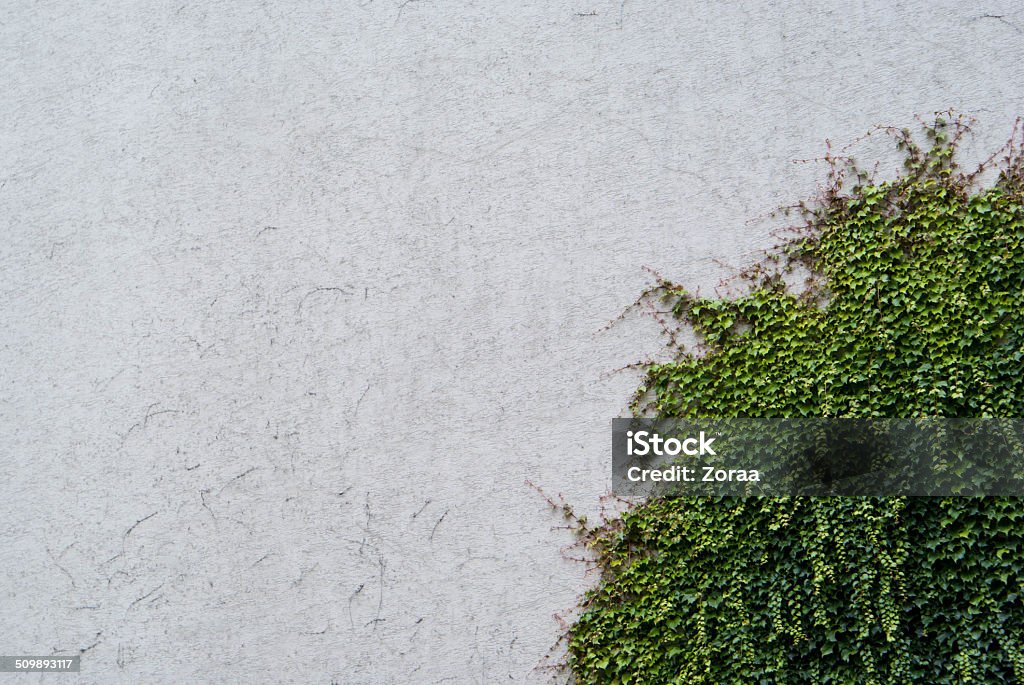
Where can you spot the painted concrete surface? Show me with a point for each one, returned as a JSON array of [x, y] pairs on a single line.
[[297, 296]]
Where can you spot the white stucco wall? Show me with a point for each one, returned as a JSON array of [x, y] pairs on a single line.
[[296, 296]]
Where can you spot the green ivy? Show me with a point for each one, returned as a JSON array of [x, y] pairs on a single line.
[[912, 307]]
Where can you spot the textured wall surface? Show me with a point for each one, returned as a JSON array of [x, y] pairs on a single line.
[[297, 296]]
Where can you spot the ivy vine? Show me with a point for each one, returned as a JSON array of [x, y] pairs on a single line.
[[912, 304]]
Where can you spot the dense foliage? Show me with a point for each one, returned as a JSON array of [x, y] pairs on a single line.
[[913, 308]]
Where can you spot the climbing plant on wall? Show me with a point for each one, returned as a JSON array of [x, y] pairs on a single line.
[[913, 305]]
